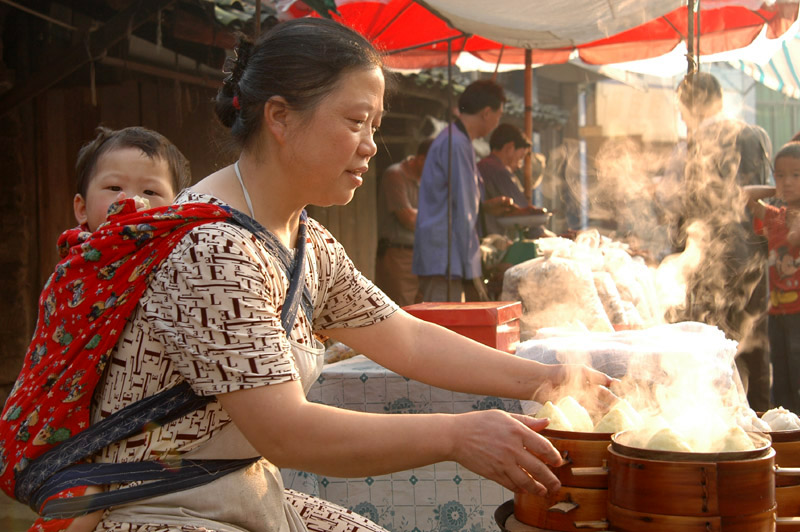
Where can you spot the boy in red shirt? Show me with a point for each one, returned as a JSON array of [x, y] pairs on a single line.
[[781, 225]]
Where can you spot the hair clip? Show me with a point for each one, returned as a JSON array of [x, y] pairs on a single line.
[[230, 64], [236, 104]]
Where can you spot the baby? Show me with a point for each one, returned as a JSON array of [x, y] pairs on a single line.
[[126, 163], [133, 162]]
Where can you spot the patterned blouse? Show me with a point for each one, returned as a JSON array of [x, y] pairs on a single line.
[[211, 316]]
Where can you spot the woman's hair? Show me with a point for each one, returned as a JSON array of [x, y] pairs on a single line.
[[151, 143], [790, 149], [300, 60]]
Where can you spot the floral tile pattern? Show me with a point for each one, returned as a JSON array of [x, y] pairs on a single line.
[[443, 497]]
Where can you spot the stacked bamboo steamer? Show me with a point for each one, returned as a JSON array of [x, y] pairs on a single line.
[[581, 502], [787, 487]]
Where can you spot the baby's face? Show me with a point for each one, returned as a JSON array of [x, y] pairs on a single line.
[[119, 174]]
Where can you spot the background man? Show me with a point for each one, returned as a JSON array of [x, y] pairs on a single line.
[[398, 196], [728, 286], [498, 169], [480, 107]]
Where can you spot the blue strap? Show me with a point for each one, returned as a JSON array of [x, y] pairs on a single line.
[[293, 265], [59, 468], [161, 408]]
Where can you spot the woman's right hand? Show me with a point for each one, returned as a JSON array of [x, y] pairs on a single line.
[[508, 449]]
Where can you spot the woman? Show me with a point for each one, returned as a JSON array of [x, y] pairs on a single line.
[[303, 104]]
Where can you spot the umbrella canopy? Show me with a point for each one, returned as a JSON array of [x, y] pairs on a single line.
[[415, 33], [782, 72]]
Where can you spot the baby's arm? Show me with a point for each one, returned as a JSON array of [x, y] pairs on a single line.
[[754, 193]]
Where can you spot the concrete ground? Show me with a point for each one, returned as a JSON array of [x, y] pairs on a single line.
[[14, 516]]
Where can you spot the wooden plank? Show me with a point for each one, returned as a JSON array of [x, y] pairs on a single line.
[[114, 31]]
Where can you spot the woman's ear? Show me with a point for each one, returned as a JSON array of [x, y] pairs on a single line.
[[79, 207], [276, 114]]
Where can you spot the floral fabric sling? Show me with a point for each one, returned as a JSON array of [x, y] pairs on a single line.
[[45, 431]]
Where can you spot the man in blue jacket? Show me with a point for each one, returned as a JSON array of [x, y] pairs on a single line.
[[452, 158]]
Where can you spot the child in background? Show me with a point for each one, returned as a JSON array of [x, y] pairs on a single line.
[[781, 225], [136, 163]]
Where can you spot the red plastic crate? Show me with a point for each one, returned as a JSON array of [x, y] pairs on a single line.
[[493, 323]]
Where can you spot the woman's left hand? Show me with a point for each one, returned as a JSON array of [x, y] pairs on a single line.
[[582, 379]]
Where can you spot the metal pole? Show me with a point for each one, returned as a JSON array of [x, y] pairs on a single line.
[[449, 161], [527, 168], [690, 36], [697, 32], [258, 20]]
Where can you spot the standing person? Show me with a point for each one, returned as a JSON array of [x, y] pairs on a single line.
[[729, 287], [222, 342], [451, 159], [397, 216], [781, 226]]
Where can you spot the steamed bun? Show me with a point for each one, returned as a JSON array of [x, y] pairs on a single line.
[[578, 417], [558, 421], [781, 419], [626, 407], [736, 439], [749, 420], [668, 440], [616, 420]]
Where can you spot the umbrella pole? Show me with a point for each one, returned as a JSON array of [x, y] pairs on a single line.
[[527, 164], [449, 160], [691, 67]]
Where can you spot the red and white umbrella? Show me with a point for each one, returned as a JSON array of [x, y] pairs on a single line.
[[416, 33]]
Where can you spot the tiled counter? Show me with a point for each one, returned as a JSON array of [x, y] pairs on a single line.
[[441, 497]]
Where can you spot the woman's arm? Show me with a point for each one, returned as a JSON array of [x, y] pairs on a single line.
[[434, 355], [754, 193], [292, 432]]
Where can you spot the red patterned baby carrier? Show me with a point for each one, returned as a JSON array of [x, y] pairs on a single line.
[[45, 433]]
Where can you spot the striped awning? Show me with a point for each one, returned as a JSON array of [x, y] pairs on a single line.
[[782, 72]]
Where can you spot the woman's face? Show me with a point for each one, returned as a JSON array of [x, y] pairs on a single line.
[[330, 150]]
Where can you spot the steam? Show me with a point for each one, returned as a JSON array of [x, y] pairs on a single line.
[[692, 307]]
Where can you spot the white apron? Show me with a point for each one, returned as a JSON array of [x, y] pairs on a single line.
[[248, 500]]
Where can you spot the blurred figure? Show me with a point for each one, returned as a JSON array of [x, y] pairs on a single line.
[[728, 288], [561, 187], [498, 170], [397, 216]]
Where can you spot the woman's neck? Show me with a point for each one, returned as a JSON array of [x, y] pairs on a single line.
[[270, 196]]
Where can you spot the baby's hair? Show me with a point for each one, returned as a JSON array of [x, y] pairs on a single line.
[[790, 149], [151, 143]]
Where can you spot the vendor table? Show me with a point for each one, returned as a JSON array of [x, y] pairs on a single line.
[[441, 497]]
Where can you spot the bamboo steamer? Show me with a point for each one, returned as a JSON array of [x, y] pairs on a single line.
[[569, 510], [580, 450], [581, 502], [787, 483], [787, 454], [658, 491]]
